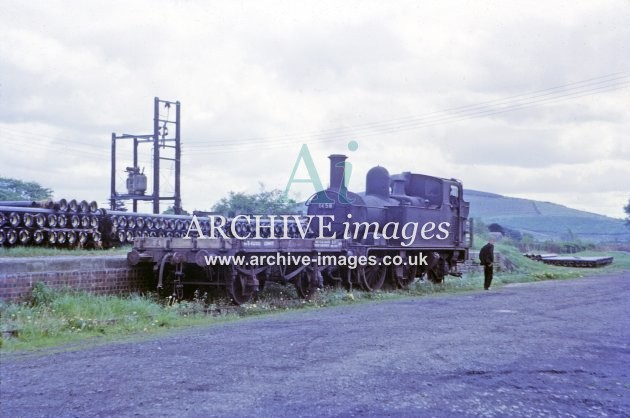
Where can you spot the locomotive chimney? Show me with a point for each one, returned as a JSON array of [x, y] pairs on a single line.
[[337, 171]]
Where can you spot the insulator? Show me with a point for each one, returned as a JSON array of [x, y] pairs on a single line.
[[278, 230], [122, 236], [152, 233], [178, 225], [61, 237], [169, 234], [72, 237], [62, 220], [12, 236], [83, 237], [138, 233], [85, 221], [63, 205], [48, 204], [52, 237], [29, 220], [131, 222], [94, 221], [75, 221], [140, 222], [148, 223], [24, 236], [39, 237], [164, 224], [3, 219], [15, 219], [177, 234], [171, 224], [93, 206], [129, 236], [96, 236], [84, 206], [40, 220], [160, 233], [51, 219], [122, 221], [3, 236], [73, 206]]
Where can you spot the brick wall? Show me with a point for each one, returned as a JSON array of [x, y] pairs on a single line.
[[101, 275]]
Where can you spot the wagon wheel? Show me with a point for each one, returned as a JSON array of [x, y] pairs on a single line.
[[306, 283], [259, 274], [373, 277], [241, 288]]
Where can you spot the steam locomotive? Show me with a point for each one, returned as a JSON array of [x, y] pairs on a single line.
[[403, 227]]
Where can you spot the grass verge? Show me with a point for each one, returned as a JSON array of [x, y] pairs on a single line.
[[55, 318]]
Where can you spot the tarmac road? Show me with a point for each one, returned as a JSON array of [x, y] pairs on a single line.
[[555, 348]]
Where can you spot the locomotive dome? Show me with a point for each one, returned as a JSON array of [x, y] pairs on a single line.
[[377, 182]]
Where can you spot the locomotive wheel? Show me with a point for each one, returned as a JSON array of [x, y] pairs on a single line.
[[437, 268], [352, 277], [435, 277], [409, 276], [306, 283], [373, 277]]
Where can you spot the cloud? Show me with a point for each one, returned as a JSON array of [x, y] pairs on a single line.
[[258, 79]]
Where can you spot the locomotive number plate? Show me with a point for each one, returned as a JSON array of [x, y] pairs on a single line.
[[325, 205]]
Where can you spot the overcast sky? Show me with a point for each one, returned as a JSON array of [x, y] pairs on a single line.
[[526, 99]]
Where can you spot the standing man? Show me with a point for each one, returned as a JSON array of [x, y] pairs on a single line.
[[486, 257]]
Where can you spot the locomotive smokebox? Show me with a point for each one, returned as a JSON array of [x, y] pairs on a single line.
[[337, 171]]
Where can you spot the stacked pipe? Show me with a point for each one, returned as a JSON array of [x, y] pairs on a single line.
[[243, 228], [123, 227], [78, 224], [63, 223]]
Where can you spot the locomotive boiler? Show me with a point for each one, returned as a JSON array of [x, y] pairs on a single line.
[[400, 217]]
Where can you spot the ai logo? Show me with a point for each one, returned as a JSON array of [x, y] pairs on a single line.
[[313, 176]]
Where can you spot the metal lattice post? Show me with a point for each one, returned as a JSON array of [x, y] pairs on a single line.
[[178, 153], [156, 156]]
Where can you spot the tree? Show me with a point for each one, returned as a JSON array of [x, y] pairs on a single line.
[[627, 209], [171, 211], [13, 189], [265, 202]]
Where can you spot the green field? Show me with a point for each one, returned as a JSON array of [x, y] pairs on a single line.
[[545, 220]]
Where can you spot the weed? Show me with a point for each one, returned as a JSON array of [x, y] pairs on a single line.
[[41, 295]]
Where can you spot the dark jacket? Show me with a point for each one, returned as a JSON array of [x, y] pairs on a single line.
[[486, 255]]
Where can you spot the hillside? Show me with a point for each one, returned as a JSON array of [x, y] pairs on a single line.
[[545, 220]]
